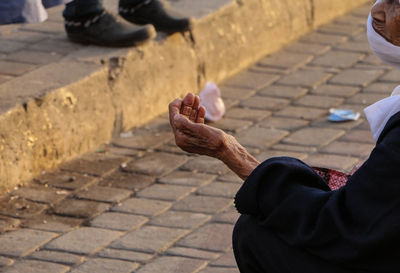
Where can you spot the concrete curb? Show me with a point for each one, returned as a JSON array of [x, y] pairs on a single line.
[[98, 92]]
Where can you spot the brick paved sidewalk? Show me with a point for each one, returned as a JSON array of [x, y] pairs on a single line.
[[142, 205]]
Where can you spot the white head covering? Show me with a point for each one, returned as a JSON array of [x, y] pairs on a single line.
[[380, 112]]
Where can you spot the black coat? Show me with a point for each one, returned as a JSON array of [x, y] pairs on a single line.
[[357, 226]]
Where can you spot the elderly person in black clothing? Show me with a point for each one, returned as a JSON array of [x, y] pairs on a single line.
[[291, 220]]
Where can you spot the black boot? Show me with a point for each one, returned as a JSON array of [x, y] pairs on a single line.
[[103, 29], [157, 13]]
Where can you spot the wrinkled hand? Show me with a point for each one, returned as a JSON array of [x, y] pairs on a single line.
[[191, 134]]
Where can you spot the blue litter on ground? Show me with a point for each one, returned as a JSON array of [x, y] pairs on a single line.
[[340, 115]]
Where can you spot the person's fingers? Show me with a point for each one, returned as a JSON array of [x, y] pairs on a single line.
[[201, 113], [187, 105], [195, 108], [174, 108]]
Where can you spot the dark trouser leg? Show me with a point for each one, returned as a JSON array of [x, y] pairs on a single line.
[[82, 8], [258, 250]]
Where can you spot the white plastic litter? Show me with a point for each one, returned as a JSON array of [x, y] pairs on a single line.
[[210, 98]]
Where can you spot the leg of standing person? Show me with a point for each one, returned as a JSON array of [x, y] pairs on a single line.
[[87, 22], [155, 12]]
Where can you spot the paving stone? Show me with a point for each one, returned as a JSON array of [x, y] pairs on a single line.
[[373, 59], [65, 180], [41, 195], [100, 265], [125, 255], [142, 206], [247, 114], [350, 19], [4, 78], [165, 192], [46, 27], [299, 112], [20, 208], [315, 49], [206, 164], [187, 178], [156, 164], [57, 257], [214, 237], [22, 242], [149, 140], [103, 194], [26, 37], [264, 103], [340, 29], [338, 59], [8, 223], [294, 148], [324, 39], [173, 265], [268, 69], [53, 45], [230, 103], [230, 216], [366, 98], [14, 69], [94, 165], [391, 76], [355, 46], [226, 260], [202, 204], [5, 261], [283, 123], [236, 93], [356, 77], [380, 87], [336, 90], [121, 151], [251, 80], [125, 180], [313, 136], [305, 78], [34, 57], [285, 60], [261, 137], [341, 163], [192, 253], [282, 91], [8, 46], [29, 266], [85, 240], [79, 208], [118, 221], [359, 136], [232, 125], [212, 269], [222, 189], [277, 153], [149, 239], [180, 219], [52, 223], [349, 148], [230, 177], [319, 101]]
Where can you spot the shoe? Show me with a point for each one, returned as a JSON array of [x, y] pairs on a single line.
[[155, 12], [105, 30]]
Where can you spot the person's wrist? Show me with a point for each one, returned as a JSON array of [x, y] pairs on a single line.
[[224, 148]]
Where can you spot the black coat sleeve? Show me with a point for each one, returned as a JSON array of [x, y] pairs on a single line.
[[355, 225]]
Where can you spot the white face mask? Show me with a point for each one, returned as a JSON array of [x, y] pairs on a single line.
[[387, 52]]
